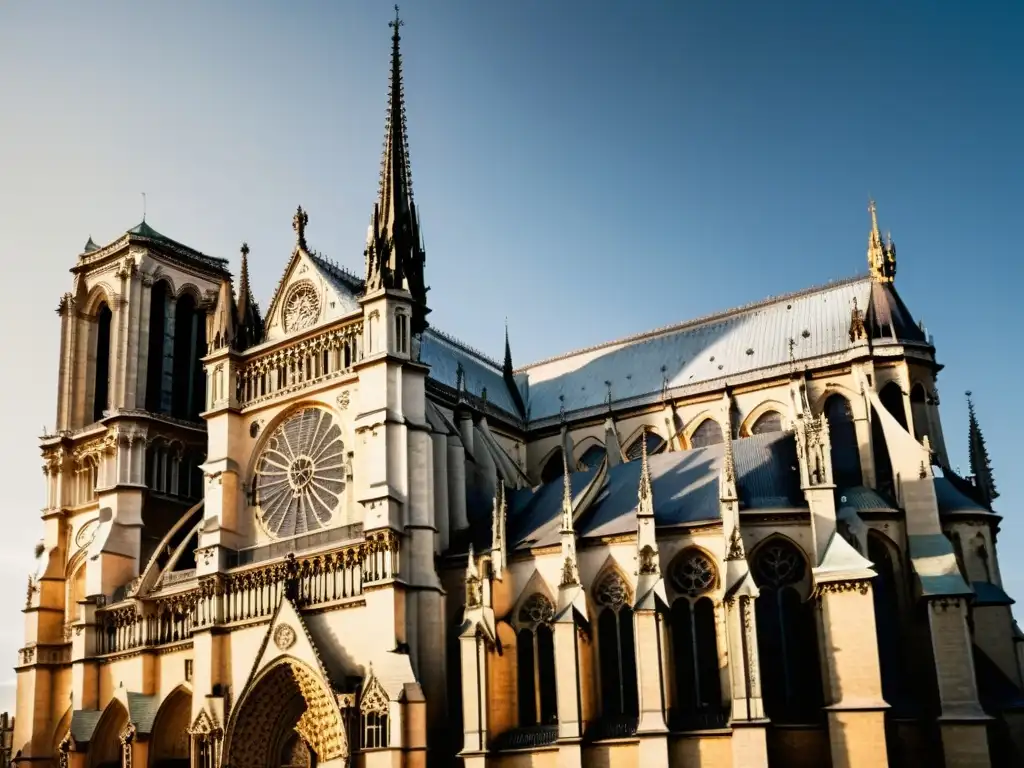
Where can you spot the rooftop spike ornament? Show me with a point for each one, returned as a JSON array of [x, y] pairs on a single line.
[[981, 466], [394, 253], [881, 254]]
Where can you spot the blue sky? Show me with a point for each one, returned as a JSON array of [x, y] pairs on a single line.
[[587, 169]]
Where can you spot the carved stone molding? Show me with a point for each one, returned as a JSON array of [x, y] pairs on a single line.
[[839, 587]]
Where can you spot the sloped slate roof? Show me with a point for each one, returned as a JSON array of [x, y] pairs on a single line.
[[950, 499], [346, 285], [444, 354], [685, 485], [863, 499], [722, 346], [888, 317]]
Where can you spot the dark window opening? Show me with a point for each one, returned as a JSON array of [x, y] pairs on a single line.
[[708, 433], [101, 388], [846, 468], [769, 421], [654, 444], [158, 307], [554, 469], [787, 636]]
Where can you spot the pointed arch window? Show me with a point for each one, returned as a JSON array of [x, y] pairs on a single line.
[[885, 592], [593, 456], [769, 421], [919, 411], [708, 433], [374, 707], [616, 647], [654, 444], [786, 635], [101, 381], [843, 436], [188, 388], [157, 390], [535, 656], [697, 703], [553, 469]]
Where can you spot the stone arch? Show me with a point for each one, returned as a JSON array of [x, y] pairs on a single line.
[[590, 452], [804, 583], [760, 410], [697, 422], [105, 748], [653, 436], [189, 289], [159, 276], [63, 730], [286, 697], [169, 743], [535, 585], [552, 466], [99, 294]]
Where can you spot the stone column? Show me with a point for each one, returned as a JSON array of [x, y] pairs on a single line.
[[749, 746], [142, 342], [963, 723], [856, 708], [568, 691], [651, 729], [474, 700]]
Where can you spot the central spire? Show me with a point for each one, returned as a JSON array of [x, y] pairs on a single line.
[[394, 254]]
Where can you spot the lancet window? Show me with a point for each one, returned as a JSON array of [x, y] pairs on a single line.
[[769, 421], [654, 444], [786, 635], [593, 456], [535, 656], [708, 433], [698, 689], [101, 371], [885, 591], [554, 468], [373, 716], [161, 338], [919, 411], [843, 436], [616, 648], [188, 391]]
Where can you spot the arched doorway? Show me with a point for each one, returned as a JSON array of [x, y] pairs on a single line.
[[287, 719], [169, 747], [105, 747]]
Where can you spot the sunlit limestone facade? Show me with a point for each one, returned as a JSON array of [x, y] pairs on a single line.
[[331, 535]]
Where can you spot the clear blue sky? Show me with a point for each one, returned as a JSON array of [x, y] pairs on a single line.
[[589, 169]]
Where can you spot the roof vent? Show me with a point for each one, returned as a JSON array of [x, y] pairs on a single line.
[[806, 334], [750, 350]]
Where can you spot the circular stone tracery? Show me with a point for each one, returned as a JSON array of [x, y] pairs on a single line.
[[694, 573], [301, 307], [300, 476]]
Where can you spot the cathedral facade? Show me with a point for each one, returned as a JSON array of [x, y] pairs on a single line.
[[329, 534]]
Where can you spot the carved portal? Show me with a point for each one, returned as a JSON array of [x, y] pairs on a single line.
[[288, 699]]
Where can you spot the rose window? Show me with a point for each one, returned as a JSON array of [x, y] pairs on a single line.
[[300, 476], [694, 573], [301, 308]]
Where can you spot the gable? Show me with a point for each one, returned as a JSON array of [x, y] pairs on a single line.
[[312, 292]]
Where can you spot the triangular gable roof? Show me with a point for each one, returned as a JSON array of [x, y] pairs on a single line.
[[287, 636], [336, 292]]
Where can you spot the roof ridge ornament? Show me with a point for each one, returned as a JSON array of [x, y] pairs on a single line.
[[881, 253], [299, 222]]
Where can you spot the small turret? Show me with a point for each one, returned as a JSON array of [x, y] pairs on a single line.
[[248, 323]]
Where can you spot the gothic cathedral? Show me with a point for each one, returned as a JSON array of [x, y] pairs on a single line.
[[329, 534]]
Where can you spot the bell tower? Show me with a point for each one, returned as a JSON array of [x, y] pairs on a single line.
[[130, 391]]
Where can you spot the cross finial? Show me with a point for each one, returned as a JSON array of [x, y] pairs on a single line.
[[397, 22], [299, 222], [873, 210]]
